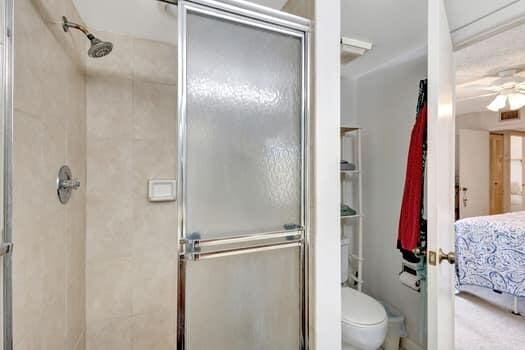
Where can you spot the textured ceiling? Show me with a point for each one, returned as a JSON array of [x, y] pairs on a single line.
[[483, 60], [398, 29]]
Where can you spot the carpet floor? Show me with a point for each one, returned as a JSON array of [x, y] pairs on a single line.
[[481, 325]]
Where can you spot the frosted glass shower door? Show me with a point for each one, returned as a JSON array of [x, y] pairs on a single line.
[[243, 128], [241, 178]]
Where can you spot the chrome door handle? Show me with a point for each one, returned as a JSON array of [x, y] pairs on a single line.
[[450, 257], [198, 249]]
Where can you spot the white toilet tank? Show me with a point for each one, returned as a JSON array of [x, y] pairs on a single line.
[[345, 251]]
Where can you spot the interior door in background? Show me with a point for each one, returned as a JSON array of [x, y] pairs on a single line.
[[474, 167], [496, 173]]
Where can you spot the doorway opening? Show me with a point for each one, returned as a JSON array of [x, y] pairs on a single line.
[[490, 211]]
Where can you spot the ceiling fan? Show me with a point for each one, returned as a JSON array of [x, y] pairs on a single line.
[[507, 86]]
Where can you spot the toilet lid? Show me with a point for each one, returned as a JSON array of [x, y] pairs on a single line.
[[360, 309]]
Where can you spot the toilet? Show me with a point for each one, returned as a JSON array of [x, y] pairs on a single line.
[[364, 320]]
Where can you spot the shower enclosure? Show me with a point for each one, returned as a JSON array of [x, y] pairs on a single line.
[[242, 186], [187, 142]]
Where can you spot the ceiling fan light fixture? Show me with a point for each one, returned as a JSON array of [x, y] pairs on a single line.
[[498, 103], [516, 101]]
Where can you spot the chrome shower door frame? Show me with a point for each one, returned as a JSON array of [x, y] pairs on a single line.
[[190, 249], [7, 236]]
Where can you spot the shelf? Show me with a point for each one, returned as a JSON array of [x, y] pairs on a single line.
[[346, 129], [353, 177]]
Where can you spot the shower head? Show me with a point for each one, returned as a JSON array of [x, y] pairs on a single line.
[[98, 47]]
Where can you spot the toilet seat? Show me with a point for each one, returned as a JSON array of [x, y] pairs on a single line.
[[359, 309]]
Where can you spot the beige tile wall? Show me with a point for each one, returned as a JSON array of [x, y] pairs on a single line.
[[131, 243], [49, 131], [101, 270]]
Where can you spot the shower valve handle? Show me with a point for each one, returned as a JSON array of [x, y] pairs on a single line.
[[70, 184], [66, 184]]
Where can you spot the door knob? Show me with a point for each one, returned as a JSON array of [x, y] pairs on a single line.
[[435, 258], [450, 257]]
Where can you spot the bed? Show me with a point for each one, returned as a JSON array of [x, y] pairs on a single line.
[[490, 253]]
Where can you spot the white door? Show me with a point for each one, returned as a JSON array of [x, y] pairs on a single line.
[[474, 173], [440, 175]]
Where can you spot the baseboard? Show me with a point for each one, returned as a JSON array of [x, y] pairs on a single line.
[[409, 344]]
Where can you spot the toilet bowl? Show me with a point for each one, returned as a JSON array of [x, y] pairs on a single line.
[[364, 321]]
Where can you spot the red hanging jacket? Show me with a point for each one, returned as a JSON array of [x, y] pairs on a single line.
[[411, 206]]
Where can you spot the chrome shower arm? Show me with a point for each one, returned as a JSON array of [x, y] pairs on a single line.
[[66, 25], [98, 47]]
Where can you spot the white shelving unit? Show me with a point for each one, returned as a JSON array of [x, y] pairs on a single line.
[[353, 178]]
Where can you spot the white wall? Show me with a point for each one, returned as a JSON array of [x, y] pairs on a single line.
[[488, 120], [485, 120], [348, 101], [385, 107], [473, 172]]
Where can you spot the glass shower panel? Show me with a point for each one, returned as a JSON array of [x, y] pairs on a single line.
[[241, 302], [243, 128]]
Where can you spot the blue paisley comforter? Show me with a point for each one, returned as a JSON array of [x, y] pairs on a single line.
[[490, 252]]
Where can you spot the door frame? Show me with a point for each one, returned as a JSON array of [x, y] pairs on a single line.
[[276, 21], [7, 229]]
